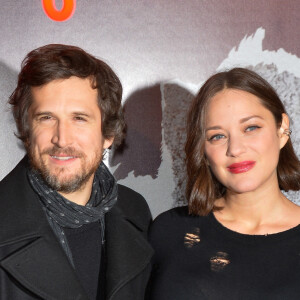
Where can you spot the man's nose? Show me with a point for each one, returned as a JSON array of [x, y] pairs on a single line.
[[235, 146], [62, 135]]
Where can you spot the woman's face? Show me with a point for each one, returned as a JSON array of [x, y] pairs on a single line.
[[242, 141]]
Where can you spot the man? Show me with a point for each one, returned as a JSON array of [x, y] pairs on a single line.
[[67, 230]]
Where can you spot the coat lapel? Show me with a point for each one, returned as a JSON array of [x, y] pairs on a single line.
[[43, 268], [127, 251]]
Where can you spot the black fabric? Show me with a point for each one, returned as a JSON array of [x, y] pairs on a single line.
[[85, 244], [33, 264], [62, 213], [198, 258]]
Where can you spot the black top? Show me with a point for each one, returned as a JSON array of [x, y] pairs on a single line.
[[85, 245], [198, 258]]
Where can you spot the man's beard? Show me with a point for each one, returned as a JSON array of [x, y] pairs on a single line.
[[71, 183]]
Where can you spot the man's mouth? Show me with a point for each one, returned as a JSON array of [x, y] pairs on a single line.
[[63, 157]]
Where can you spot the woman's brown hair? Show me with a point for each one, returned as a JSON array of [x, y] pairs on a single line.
[[202, 187]]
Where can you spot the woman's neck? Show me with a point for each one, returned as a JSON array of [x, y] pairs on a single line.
[[264, 211]]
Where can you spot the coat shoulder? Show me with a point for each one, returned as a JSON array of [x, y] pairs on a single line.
[[14, 187], [16, 175], [134, 206]]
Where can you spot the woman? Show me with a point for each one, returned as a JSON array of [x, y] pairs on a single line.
[[239, 237]]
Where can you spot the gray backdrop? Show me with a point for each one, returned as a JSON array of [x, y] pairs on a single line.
[[162, 51]]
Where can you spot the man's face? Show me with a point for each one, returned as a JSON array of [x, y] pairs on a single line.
[[66, 142]]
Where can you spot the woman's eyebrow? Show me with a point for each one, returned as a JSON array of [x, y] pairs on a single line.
[[213, 128], [243, 120]]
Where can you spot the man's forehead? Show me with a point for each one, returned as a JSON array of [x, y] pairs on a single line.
[[91, 79], [69, 93]]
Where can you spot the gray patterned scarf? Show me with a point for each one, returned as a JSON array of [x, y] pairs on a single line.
[[63, 213]]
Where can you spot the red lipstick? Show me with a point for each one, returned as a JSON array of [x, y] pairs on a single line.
[[241, 167]]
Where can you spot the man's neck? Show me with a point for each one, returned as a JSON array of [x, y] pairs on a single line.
[[82, 196]]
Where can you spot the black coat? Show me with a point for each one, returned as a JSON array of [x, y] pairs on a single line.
[[33, 265]]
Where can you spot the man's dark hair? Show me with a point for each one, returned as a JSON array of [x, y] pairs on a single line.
[[57, 61]]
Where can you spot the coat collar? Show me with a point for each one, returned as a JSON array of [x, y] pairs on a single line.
[[35, 246]]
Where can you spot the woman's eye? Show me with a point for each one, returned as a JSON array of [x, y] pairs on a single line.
[[252, 128], [216, 137]]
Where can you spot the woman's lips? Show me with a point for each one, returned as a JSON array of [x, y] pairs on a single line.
[[241, 167]]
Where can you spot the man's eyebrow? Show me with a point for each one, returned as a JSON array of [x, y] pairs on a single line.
[[80, 113], [75, 113], [243, 120], [41, 113]]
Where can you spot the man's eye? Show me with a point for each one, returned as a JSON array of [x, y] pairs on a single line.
[[252, 128], [78, 118], [44, 118]]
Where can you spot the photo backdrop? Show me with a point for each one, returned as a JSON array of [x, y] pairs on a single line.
[[162, 50]]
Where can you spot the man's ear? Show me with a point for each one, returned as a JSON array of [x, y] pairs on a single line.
[[284, 130], [108, 142]]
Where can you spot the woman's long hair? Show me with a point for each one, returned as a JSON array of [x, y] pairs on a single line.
[[202, 187]]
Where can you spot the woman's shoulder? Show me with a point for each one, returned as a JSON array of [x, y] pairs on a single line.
[[176, 212], [172, 216], [172, 223]]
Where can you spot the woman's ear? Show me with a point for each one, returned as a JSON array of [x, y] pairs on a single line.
[[284, 130]]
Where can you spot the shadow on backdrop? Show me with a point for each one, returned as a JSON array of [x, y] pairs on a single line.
[[141, 151], [8, 82], [177, 101]]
